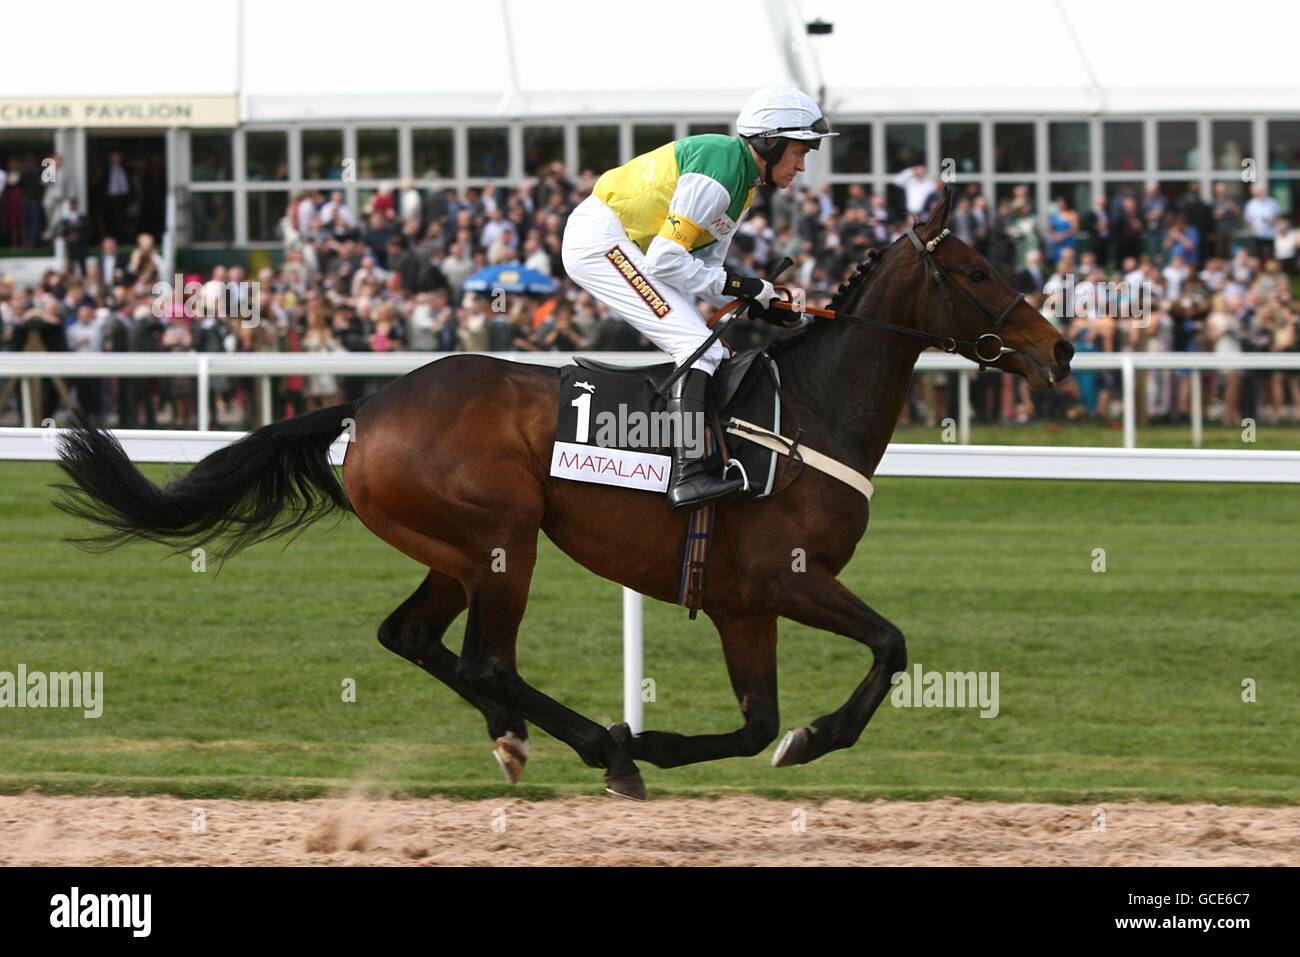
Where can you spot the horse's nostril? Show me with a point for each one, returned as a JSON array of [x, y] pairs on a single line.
[[1063, 351]]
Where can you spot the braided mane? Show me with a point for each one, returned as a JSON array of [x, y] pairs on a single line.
[[859, 275], [845, 289]]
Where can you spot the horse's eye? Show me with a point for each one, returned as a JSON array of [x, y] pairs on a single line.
[[979, 275]]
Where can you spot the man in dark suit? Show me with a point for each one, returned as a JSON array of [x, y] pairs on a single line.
[[112, 263], [1196, 212], [75, 232], [139, 332], [1031, 279], [115, 191]]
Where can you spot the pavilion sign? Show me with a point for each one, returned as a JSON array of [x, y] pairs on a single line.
[[119, 111]]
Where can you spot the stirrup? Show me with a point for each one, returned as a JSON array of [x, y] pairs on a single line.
[[717, 489], [744, 475]]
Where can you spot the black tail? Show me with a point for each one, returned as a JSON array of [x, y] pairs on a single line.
[[272, 482]]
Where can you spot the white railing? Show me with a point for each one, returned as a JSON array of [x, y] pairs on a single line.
[[264, 365], [901, 458]]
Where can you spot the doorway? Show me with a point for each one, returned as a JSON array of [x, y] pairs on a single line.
[[126, 178]]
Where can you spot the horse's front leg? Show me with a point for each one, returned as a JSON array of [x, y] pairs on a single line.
[[827, 605], [749, 646]]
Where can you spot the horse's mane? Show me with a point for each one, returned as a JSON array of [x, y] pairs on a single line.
[[842, 294]]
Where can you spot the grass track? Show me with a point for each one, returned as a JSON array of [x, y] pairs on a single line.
[[1119, 685]]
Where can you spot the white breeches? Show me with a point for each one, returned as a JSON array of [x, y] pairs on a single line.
[[600, 258]]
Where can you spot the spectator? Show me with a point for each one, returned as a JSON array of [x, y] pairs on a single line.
[[1261, 215], [474, 334], [145, 264], [917, 188], [323, 389], [1063, 229], [1226, 216]]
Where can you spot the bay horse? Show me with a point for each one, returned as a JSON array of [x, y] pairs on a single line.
[[466, 499]]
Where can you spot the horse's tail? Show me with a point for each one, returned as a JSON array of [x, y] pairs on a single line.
[[274, 481]]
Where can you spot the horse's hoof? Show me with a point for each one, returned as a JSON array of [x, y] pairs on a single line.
[[511, 752], [793, 749], [628, 786], [621, 733]]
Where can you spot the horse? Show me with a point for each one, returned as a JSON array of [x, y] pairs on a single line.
[[467, 498]]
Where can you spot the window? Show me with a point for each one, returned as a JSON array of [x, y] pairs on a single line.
[[489, 151], [960, 142], [851, 150], [598, 148], [1284, 145], [904, 146], [695, 129], [543, 145], [1069, 147], [211, 218], [1126, 188], [647, 138], [1122, 146], [376, 154], [1174, 190], [433, 154], [1176, 145], [1283, 191], [1231, 143], [1013, 148], [265, 210], [210, 156], [267, 155], [322, 154], [19, 147], [365, 199], [1078, 195]]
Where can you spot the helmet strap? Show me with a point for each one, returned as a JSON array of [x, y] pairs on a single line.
[[771, 152]]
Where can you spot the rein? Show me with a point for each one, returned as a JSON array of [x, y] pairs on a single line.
[[987, 348]]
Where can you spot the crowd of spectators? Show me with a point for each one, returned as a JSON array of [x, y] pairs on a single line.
[[1216, 276]]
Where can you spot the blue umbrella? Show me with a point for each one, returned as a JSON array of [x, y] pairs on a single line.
[[511, 277]]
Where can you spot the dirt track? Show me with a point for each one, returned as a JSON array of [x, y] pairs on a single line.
[[38, 829]]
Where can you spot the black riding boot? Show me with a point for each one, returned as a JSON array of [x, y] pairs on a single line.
[[691, 486]]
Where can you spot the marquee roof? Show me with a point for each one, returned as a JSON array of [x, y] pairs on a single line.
[[395, 59]]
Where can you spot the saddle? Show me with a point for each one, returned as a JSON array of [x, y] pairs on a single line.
[[613, 426], [606, 434]]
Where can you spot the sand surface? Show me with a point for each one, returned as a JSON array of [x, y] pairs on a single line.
[[39, 829]]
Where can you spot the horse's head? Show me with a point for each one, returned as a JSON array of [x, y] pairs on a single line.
[[969, 304]]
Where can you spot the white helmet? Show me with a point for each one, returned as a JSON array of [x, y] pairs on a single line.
[[783, 111]]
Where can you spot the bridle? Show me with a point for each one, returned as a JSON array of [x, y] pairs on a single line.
[[987, 348], [990, 342]]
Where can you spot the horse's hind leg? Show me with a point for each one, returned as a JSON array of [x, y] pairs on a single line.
[[487, 664], [750, 649], [415, 632]]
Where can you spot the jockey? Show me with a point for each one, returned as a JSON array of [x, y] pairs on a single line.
[[654, 234]]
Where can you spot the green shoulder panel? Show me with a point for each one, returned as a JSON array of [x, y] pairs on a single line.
[[724, 158]]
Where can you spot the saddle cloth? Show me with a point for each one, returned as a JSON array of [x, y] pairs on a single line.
[[613, 426]]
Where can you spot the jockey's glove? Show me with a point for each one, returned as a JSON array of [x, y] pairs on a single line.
[[777, 317], [749, 287]]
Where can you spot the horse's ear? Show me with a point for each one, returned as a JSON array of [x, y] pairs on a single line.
[[938, 216]]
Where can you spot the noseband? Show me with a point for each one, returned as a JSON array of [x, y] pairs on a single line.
[[989, 347]]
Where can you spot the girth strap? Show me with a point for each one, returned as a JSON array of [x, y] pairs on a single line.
[[811, 457]]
